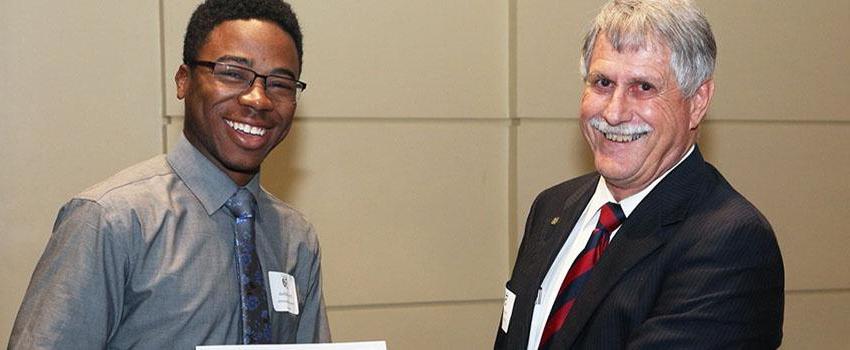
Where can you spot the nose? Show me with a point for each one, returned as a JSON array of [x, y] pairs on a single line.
[[616, 108], [255, 96]]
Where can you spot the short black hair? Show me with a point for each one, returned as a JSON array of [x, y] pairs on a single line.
[[213, 12]]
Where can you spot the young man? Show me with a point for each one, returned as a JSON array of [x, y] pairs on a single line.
[[186, 248]]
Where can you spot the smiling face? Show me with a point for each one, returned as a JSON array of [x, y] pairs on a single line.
[[634, 117], [237, 130]]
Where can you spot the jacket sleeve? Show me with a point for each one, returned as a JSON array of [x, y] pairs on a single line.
[[724, 291]]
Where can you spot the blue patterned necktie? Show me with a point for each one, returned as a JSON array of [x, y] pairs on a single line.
[[256, 328]]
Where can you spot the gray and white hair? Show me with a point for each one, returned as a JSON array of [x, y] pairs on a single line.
[[676, 24]]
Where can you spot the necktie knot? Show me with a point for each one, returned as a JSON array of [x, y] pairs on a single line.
[[611, 216], [241, 204]]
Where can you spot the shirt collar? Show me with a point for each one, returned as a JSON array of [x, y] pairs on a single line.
[[207, 182], [628, 204]]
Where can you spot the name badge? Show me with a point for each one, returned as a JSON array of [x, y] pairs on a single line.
[[284, 296], [508, 309]]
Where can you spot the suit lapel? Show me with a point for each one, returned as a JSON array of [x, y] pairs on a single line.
[[541, 243], [638, 237], [554, 235]]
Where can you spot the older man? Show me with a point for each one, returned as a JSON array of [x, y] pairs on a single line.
[[187, 248], [654, 250]]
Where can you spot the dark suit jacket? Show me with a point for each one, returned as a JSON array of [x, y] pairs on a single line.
[[695, 266]]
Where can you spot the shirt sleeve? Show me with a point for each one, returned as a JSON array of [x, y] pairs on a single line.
[[75, 295], [313, 325]]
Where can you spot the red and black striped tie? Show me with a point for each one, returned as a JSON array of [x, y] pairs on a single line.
[[610, 218]]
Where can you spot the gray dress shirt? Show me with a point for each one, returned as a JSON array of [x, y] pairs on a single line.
[[146, 260]]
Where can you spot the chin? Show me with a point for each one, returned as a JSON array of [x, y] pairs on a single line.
[[246, 167], [614, 170]]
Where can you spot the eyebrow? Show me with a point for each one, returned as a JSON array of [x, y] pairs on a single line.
[[596, 76], [283, 71], [237, 59], [248, 63], [633, 80], [645, 79]]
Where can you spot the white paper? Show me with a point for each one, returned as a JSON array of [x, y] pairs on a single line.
[[284, 297], [508, 309], [368, 345]]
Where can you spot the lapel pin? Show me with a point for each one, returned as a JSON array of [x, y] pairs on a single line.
[[555, 220]]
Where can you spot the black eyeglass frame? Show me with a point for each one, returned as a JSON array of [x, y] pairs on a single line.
[[300, 86]]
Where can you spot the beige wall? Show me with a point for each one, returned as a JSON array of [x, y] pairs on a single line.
[[80, 98], [426, 132]]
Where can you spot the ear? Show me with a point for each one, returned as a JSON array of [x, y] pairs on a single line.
[[700, 101], [182, 80]]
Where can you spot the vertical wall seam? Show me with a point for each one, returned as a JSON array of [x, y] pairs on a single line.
[[165, 119], [512, 134]]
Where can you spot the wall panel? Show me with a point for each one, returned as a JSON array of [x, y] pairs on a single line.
[[79, 103], [817, 320], [778, 60], [460, 326], [549, 36], [390, 59]]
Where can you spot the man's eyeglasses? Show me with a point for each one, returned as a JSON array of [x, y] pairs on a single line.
[[239, 79]]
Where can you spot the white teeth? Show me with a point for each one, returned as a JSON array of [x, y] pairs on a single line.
[[248, 129], [622, 132], [623, 138]]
